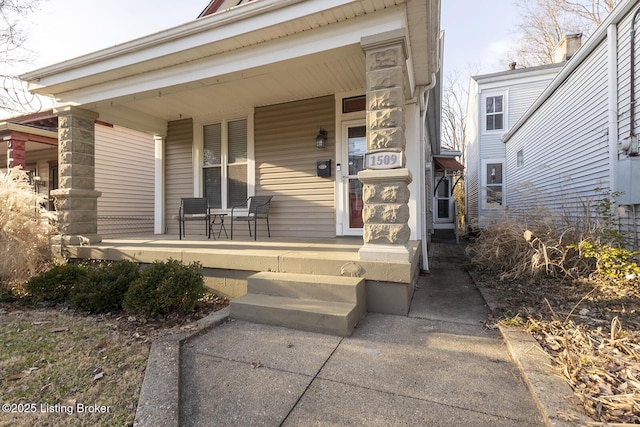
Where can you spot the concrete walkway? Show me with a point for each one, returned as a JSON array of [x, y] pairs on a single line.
[[440, 366]]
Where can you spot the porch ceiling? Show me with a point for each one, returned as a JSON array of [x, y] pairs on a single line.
[[339, 70]]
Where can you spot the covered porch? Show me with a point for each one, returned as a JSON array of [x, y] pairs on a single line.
[[304, 101], [228, 263]]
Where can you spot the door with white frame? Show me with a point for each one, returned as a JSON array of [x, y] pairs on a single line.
[[354, 147], [443, 198]]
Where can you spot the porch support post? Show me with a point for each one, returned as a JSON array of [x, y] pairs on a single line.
[[76, 199], [16, 150], [386, 192]]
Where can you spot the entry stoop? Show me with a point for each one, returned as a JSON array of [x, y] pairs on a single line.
[[316, 303]]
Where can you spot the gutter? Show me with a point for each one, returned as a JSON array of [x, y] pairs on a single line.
[[14, 127], [592, 43]]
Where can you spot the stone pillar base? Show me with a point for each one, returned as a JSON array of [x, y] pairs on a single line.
[[77, 216], [382, 252]]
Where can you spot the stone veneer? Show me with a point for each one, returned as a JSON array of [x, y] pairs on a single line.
[[76, 200], [386, 192]]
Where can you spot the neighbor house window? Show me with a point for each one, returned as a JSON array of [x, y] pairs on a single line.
[[520, 158], [493, 183], [225, 163], [494, 113]]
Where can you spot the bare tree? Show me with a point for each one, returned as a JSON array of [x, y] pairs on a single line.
[[13, 13], [454, 112], [545, 22]]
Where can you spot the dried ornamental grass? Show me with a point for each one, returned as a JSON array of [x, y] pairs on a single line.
[[25, 229], [603, 368], [517, 248]]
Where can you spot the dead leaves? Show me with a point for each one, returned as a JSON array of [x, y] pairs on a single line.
[[602, 367]]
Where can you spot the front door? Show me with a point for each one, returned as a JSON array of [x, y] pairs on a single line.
[[355, 148]]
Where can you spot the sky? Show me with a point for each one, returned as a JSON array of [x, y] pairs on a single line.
[[478, 33]]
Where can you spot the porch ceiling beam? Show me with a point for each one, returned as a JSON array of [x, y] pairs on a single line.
[[133, 119], [189, 75]]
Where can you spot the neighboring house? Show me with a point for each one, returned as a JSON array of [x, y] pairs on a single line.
[[123, 175], [496, 102], [237, 98], [578, 140]]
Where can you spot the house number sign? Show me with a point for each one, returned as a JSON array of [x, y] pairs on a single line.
[[384, 160]]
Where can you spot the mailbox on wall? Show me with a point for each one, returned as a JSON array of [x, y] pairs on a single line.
[[323, 168]]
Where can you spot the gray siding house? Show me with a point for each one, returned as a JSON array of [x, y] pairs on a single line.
[[496, 102], [578, 140]]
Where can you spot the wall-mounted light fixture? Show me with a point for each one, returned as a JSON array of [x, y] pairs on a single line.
[[321, 138]]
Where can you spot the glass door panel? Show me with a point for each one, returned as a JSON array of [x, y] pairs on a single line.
[[356, 149]]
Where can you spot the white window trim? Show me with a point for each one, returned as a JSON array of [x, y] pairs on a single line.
[[505, 112], [483, 184], [342, 120], [198, 153]]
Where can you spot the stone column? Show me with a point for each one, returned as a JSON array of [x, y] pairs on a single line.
[[16, 150], [76, 199], [385, 192]]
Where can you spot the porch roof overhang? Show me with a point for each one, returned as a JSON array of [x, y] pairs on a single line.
[[447, 163], [260, 53], [35, 138]]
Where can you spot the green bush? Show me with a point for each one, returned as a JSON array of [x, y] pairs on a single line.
[[166, 287], [104, 287], [55, 284], [611, 261]]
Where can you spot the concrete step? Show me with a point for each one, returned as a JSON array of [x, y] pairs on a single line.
[[316, 303], [334, 318], [307, 286]]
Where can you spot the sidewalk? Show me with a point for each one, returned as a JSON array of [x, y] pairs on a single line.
[[437, 367]]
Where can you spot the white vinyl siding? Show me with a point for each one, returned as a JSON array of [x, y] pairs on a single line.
[[519, 90], [286, 157], [566, 144], [124, 174], [472, 158], [179, 173]]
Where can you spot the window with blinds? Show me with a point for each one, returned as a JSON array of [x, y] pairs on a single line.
[[225, 164]]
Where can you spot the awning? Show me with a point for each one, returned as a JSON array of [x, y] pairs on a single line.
[[447, 163]]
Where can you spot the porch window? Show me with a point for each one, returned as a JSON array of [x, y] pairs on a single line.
[[225, 163], [494, 113]]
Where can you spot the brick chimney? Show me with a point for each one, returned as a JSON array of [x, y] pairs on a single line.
[[567, 47]]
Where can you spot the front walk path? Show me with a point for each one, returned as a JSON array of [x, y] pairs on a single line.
[[437, 367]]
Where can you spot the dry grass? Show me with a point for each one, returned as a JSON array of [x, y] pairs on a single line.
[[55, 360], [25, 229], [588, 323]]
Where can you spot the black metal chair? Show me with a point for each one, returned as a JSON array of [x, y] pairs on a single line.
[[258, 209], [194, 209]]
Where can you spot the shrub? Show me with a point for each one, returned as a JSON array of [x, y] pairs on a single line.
[[611, 261], [165, 287], [103, 288], [55, 284], [24, 229]]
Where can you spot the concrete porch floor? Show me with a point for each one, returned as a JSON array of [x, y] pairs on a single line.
[[228, 263]]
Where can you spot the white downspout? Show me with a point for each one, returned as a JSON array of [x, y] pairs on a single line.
[[612, 38], [424, 96]]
